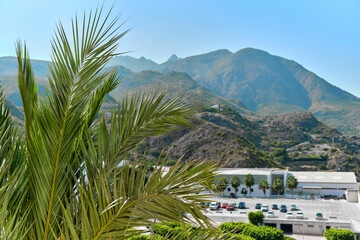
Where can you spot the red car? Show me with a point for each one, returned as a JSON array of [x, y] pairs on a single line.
[[230, 207], [224, 205]]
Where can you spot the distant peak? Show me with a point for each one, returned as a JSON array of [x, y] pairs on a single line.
[[173, 58], [249, 49]]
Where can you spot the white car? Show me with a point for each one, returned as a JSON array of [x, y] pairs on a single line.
[[214, 206], [270, 214], [289, 215], [299, 214], [265, 208]]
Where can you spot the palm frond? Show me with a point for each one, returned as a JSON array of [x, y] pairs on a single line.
[[131, 197], [136, 118], [78, 84]]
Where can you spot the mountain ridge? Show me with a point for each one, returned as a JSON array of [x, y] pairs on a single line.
[[258, 80]]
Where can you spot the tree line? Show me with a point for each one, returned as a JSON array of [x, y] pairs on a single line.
[[249, 181]]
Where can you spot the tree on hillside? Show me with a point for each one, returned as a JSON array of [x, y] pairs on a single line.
[[292, 183], [249, 182], [264, 185], [235, 183], [62, 178], [278, 186]]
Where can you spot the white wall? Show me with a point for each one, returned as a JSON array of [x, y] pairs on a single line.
[[310, 227]]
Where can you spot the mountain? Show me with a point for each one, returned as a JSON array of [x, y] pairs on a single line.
[[249, 78], [269, 84], [294, 140], [176, 84], [173, 58], [9, 67], [134, 64]]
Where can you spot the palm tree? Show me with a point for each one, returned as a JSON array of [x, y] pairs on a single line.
[[292, 183], [249, 182], [235, 183], [264, 185], [223, 183], [278, 186], [62, 180]]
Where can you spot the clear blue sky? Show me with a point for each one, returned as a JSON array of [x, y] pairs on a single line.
[[323, 36]]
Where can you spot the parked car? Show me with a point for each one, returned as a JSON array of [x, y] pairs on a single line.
[[293, 208], [265, 208], [231, 195], [214, 206], [230, 207], [289, 215], [275, 207], [258, 206], [207, 204], [299, 214], [270, 214], [319, 216], [234, 205], [241, 205], [283, 208], [224, 205]]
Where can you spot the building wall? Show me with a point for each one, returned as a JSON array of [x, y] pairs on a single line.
[[310, 227], [256, 191], [333, 189]]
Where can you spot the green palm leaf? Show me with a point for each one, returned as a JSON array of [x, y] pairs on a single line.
[[63, 179]]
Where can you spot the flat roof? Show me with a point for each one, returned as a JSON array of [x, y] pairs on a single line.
[[302, 177], [244, 171], [324, 177]]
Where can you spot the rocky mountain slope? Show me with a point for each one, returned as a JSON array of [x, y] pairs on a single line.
[[295, 140], [248, 79], [176, 84], [267, 84]]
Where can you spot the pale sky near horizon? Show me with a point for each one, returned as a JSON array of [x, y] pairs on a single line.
[[321, 35]]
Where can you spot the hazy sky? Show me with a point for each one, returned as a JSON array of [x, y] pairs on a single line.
[[323, 36]]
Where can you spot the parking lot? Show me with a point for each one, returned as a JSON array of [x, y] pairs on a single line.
[[331, 209]]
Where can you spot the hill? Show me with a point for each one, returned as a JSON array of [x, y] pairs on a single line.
[[266, 84], [176, 84], [269, 84], [135, 64], [294, 140], [249, 79]]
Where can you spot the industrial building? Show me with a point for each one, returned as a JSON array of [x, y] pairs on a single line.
[[311, 184]]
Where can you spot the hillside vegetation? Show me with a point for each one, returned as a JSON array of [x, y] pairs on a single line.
[[295, 140]]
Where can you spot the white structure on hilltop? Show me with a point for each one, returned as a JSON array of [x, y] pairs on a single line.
[[314, 184]]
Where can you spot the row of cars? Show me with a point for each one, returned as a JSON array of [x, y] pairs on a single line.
[[270, 213], [227, 206], [293, 213]]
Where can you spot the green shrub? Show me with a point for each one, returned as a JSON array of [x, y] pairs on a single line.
[[262, 233], [170, 229], [235, 228], [258, 233], [238, 237], [288, 238], [338, 234], [256, 218]]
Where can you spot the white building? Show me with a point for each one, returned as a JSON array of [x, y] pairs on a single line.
[[311, 184]]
